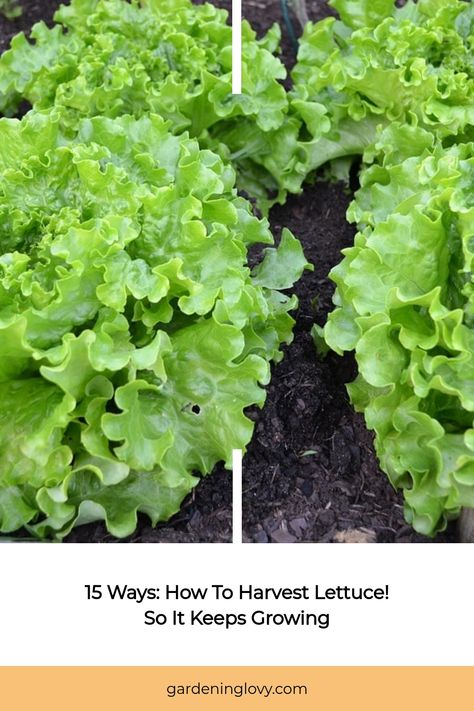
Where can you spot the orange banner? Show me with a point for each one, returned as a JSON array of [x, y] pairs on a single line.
[[289, 688]]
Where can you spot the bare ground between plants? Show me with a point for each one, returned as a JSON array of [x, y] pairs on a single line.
[[310, 473]]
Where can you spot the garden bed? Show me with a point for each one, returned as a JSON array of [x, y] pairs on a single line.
[[310, 473]]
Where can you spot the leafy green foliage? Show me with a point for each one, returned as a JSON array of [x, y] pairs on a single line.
[[376, 65], [397, 85], [382, 64], [170, 57], [10, 9], [405, 297], [133, 334]]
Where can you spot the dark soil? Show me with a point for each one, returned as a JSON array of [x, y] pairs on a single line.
[[310, 473], [33, 11]]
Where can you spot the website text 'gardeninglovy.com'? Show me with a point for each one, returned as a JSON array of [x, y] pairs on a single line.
[[236, 690]]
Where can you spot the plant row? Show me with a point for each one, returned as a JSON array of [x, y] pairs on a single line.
[[135, 334]]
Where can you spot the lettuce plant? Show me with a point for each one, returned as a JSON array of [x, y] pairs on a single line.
[[375, 65], [405, 305], [396, 85], [170, 57], [133, 334], [379, 64]]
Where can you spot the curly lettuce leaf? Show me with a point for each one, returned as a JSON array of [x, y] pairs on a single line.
[[363, 13], [133, 334], [380, 64], [113, 57], [405, 304]]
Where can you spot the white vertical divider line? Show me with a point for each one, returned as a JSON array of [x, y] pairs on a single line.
[[236, 46], [236, 496], [236, 453]]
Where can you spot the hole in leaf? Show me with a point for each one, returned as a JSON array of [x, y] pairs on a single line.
[[196, 409]]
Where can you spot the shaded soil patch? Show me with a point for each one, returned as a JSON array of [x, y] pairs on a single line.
[[311, 473], [33, 11]]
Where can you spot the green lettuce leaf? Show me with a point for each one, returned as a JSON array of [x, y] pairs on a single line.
[[380, 64], [405, 304], [363, 13], [133, 334], [113, 57]]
